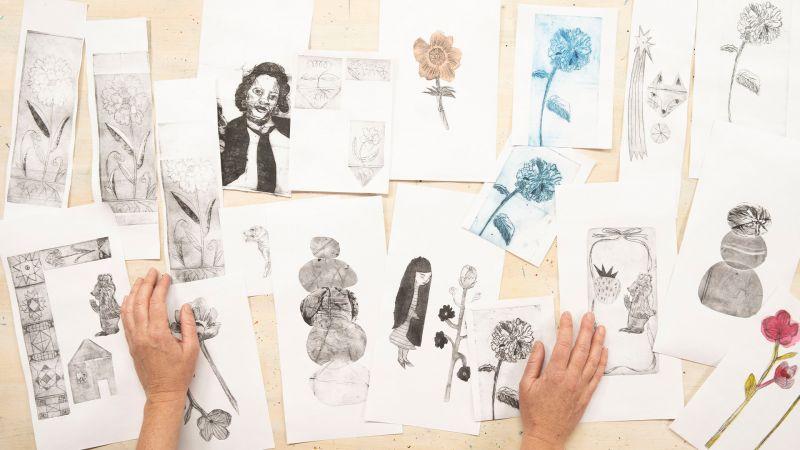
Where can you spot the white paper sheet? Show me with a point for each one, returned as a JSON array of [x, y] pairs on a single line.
[[76, 364], [430, 256], [246, 238], [190, 179], [759, 423], [516, 211], [329, 256], [564, 99], [743, 58], [123, 145], [39, 170], [342, 123], [759, 171], [237, 37], [233, 351], [657, 91], [501, 337], [452, 137], [616, 251]]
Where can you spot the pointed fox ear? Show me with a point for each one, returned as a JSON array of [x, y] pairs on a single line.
[[659, 79], [678, 80]]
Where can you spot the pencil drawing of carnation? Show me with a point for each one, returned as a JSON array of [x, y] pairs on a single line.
[[50, 81], [126, 100], [189, 175], [438, 60], [511, 341]]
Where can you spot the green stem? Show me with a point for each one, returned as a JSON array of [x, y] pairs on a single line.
[[733, 77], [544, 100], [496, 210], [228, 393], [779, 423], [494, 386], [454, 354]]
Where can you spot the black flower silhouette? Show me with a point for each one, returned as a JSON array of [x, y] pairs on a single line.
[[440, 339], [463, 373], [446, 312]]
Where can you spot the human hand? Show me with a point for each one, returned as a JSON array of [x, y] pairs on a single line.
[[552, 401]]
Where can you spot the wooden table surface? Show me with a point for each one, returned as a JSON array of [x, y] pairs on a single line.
[[337, 25]]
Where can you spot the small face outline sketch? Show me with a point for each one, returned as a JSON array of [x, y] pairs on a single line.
[[423, 278], [262, 98]]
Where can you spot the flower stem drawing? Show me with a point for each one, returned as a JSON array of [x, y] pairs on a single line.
[[782, 331], [569, 51], [467, 280], [512, 341], [214, 423], [637, 145], [759, 24], [779, 423], [438, 61]]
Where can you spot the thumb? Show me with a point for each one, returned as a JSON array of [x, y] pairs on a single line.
[[534, 366], [188, 329]]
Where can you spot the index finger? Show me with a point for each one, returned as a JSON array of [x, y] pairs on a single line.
[[158, 305], [561, 350], [141, 302]]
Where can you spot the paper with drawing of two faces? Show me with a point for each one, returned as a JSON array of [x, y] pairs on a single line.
[[745, 70], [328, 280], [124, 169], [45, 104], [501, 338], [564, 77], [342, 123], [740, 245], [751, 399], [250, 48], [421, 362], [66, 290], [445, 110], [616, 251]]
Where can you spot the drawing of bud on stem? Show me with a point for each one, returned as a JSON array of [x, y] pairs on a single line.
[[782, 331], [214, 423], [536, 182], [467, 280], [512, 341], [569, 51], [438, 61], [205, 320], [759, 24]]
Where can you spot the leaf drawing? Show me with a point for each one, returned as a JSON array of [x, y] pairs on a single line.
[[542, 74], [486, 368], [37, 117], [142, 148], [749, 80], [208, 214], [508, 396], [61, 130], [559, 106], [501, 189], [504, 226], [185, 207], [120, 137], [730, 48]]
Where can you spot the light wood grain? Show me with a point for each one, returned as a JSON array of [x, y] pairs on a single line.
[[338, 25]]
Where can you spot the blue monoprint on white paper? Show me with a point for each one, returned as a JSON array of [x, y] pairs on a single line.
[[565, 78]]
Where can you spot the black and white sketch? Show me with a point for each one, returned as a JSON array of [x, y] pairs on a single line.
[[336, 342], [732, 286], [250, 142], [90, 366], [259, 236], [105, 304], [368, 69], [36, 318], [193, 223], [366, 151], [660, 133], [637, 144], [127, 165], [319, 83], [663, 97], [410, 308], [625, 257], [42, 148]]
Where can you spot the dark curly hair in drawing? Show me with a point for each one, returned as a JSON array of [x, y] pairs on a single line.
[[275, 71]]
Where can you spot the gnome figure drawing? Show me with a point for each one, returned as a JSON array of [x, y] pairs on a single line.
[[336, 342], [105, 305]]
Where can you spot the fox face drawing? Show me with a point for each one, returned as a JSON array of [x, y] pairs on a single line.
[[664, 98]]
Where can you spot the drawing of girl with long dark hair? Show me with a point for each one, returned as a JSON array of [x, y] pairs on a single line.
[[410, 307]]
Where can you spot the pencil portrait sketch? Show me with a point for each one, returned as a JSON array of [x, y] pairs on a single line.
[[193, 225], [637, 144], [438, 60], [251, 141], [90, 367], [367, 149], [36, 317], [759, 24], [43, 139], [617, 258], [732, 286], [410, 308], [104, 303], [336, 342], [259, 236], [320, 82], [368, 69]]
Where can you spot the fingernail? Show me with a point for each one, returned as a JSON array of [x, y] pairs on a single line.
[[590, 316], [601, 330]]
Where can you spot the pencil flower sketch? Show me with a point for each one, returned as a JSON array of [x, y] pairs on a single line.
[[512, 341], [536, 182], [192, 219], [781, 331], [260, 236], [637, 144], [205, 319], [438, 60], [320, 82], [411, 307], [336, 342], [369, 69], [105, 304], [759, 24], [366, 149], [212, 423], [732, 286], [569, 51], [467, 280]]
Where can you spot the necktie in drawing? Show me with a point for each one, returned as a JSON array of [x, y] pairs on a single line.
[[265, 162]]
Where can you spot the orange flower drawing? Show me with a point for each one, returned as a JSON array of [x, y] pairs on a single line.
[[438, 61]]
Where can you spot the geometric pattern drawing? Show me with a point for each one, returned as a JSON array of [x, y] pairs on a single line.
[[90, 365], [36, 318]]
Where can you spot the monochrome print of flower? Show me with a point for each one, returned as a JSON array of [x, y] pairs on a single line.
[[126, 100], [50, 81], [569, 51], [438, 60], [512, 341], [210, 424], [759, 24]]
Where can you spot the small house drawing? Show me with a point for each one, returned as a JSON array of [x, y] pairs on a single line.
[[90, 365]]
